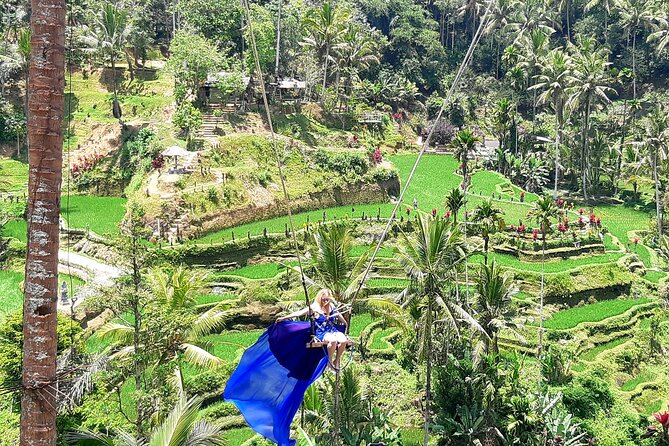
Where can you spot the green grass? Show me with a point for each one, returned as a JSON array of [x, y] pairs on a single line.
[[14, 175], [260, 271], [654, 276], [101, 215], [387, 282], [554, 266], [641, 378], [227, 345], [17, 229], [359, 250], [596, 312], [653, 407], [412, 437], [12, 294], [359, 322], [379, 341], [591, 354], [203, 299], [236, 437]]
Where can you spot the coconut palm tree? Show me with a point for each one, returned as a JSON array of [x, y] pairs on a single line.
[[182, 427], [543, 212], [45, 159], [589, 88], [464, 145], [660, 32], [635, 15], [454, 201], [536, 45], [109, 35], [656, 143], [501, 122], [606, 6], [357, 51], [553, 82], [428, 257], [326, 27], [488, 218], [492, 303]]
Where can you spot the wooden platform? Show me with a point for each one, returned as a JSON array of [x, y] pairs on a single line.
[[321, 344]]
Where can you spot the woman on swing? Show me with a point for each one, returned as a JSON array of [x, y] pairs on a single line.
[[325, 315]]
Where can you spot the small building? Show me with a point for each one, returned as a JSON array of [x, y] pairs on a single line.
[[226, 89], [289, 91]]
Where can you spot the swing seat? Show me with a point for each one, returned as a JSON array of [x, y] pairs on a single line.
[[315, 343]]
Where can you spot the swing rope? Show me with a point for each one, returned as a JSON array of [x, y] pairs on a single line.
[[275, 147], [465, 62]]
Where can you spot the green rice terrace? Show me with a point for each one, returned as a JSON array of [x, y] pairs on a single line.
[[207, 279]]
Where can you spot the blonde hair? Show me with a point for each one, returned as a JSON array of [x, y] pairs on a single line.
[[322, 293]]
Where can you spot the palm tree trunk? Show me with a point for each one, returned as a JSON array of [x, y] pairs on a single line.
[[557, 150], [325, 71], [634, 65], [45, 157], [657, 194], [584, 154], [278, 42], [428, 372], [541, 312]]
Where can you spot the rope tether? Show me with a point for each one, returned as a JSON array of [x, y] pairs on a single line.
[[275, 146], [426, 143]]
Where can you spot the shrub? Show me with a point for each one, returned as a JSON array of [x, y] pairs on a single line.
[[588, 395], [444, 132], [343, 163], [212, 195], [381, 174], [264, 177]]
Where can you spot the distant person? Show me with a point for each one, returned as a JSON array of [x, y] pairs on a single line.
[[415, 203]]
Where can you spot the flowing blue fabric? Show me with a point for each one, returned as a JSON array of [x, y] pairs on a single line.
[[269, 383]]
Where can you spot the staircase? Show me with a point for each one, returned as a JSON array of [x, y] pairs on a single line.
[[212, 118]]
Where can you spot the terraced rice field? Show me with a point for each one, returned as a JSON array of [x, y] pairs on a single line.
[[596, 312], [592, 354], [359, 322], [555, 266], [378, 341], [654, 276], [227, 346], [634, 382], [260, 271]]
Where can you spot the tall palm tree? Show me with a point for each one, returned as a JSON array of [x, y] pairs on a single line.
[[492, 304], [182, 427], [326, 26], [454, 201], [357, 51], [543, 212], [607, 6], [45, 158], [464, 144], [428, 257], [488, 218], [501, 122], [660, 32], [635, 15], [536, 45], [589, 88], [109, 35], [656, 142], [553, 81]]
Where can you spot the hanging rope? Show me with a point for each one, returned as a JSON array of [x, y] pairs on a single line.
[[277, 155], [426, 143], [67, 177]]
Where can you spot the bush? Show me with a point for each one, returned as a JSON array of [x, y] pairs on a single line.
[[343, 163], [264, 177], [588, 395], [444, 132], [381, 174], [208, 382]]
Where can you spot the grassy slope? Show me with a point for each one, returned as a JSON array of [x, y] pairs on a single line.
[[591, 313], [12, 293]]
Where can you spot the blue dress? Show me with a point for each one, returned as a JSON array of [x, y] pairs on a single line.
[[325, 325]]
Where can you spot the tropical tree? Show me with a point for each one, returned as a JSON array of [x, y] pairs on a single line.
[[109, 35], [488, 218], [606, 6], [535, 45], [428, 257], [589, 88], [464, 145], [502, 120], [326, 27], [660, 32], [543, 212], [182, 427], [455, 200], [177, 329], [635, 15], [656, 142], [45, 112], [492, 304], [553, 81], [358, 50]]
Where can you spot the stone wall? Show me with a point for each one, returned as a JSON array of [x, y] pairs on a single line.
[[358, 193]]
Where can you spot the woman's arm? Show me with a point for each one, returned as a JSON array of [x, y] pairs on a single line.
[[298, 313], [342, 318]]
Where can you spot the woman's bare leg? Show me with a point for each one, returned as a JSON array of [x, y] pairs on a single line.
[[332, 345], [341, 348]]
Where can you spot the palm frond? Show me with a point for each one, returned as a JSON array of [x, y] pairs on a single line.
[[199, 356]]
